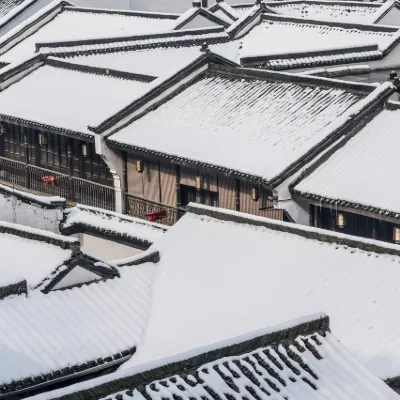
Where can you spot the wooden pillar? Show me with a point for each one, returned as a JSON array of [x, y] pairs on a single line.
[[237, 194], [178, 186]]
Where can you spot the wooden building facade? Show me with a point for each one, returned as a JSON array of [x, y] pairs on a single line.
[[160, 190], [56, 164]]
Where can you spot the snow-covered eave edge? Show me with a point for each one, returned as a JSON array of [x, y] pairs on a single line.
[[145, 373], [308, 232], [15, 12], [384, 9], [31, 24], [122, 43]]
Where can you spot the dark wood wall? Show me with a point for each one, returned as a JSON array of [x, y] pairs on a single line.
[[59, 153], [175, 185]]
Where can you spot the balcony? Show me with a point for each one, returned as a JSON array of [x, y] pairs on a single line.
[[152, 211], [45, 181]]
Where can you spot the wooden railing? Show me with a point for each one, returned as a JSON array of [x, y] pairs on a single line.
[[47, 181], [152, 211]]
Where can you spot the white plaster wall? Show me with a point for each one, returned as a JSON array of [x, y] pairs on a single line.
[[18, 212], [105, 249]]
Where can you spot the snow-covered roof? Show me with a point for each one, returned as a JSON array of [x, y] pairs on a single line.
[[72, 23], [198, 17], [70, 331], [298, 36], [7, 6], [298, 360], [119, 227], [259, 272], [347, 11], [65, 97], [362, 173], [270, 124], [31, 254], [154, 61]]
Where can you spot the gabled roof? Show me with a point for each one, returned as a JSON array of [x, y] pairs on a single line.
[[264, 148], [113, 226], [361, 174], [298, 360], [55, 22], [47, 338], [310, 42], [198, 17], [288, 270], [31, 254], [64, 97]]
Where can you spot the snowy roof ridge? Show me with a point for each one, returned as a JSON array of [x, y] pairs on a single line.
[[71, 65], [122, 228], [226, 9], [144, 374], [127, 42], [15, 12], [193, 12], [158, 86], [135, 13], [385, 8], [66, 243], [327, 2], [322, 235], [31, 24]]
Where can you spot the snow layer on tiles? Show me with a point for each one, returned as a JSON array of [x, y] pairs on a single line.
[[297, 37], [73, 326], [159, 61], [68, 99], [114, 222], [7, 6], [351, 174], [29, 259], [327, 11], [285, 275], [266, 125], [72, 25], [328, 372]]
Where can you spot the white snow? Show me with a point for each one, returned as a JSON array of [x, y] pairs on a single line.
[[120, 224], [67, 98], [76, 276], [71, 327], [31, 260], [295, 37], [267, 125], [363, 171], [72, 25], [238, 278]]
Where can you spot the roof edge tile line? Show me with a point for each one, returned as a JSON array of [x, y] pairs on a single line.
[[338, 24], [311, 53], [147, 373], [22, 28], [16, 12], [205, 59], [150, 255], [307, 232], [89, 42], [251, 16], [205, 14], [325, 157], [217, 7], [63, 53], [75, 371], [40, 236], [38, 125], [346, 126], [128, 13], [385, 9], [59, 63], [12, 70], [326, 2]]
